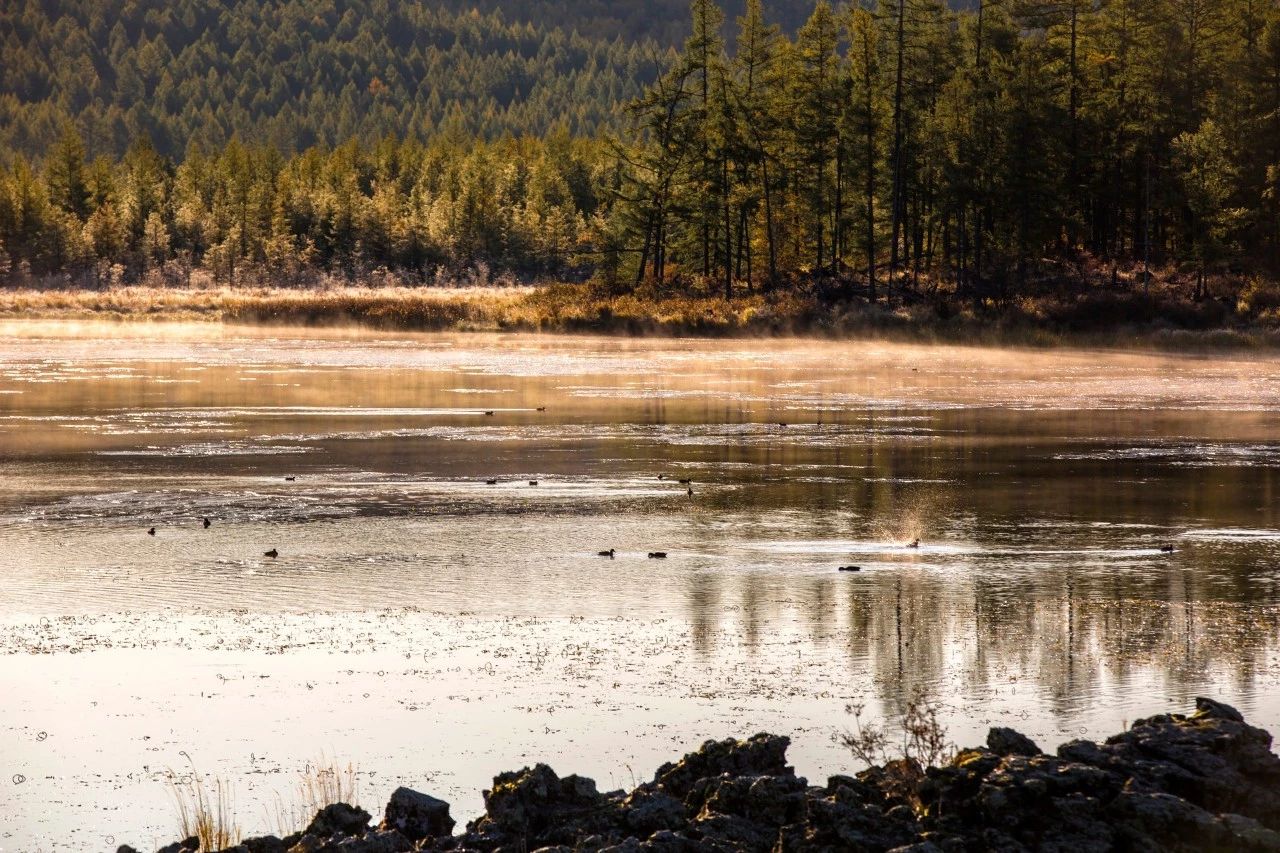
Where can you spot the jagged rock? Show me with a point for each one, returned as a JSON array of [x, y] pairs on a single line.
[[1030, 802], [187, 845], [1212, 758], [895, 781], [416, 815], [769, 800], [372, 841], [1165, 822], [539, 806], [762, 755], [1082, 751], [843, 818], [1004, 741], [732, 833], [648, 812], [310, 844], [666, 841], [629, 846], [375, 841], [901, 814], [338, 819], [263, 844], [1207, 781], [851, 790], [1248, 834], [918, 847], [1211, 708], [125, 848]]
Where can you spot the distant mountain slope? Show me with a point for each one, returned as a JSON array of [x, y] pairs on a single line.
[[296, 72], [665, 21]]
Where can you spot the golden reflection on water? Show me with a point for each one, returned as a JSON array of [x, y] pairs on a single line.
[[1042, 486]]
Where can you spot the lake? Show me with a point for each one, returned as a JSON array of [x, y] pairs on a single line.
[[435, 628]]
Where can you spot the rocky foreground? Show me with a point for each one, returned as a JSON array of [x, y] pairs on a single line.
[[1207, 781]]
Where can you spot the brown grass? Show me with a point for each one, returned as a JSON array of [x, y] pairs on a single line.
[[321, 783], [1096, 316], [548, 308], [206, 809], [325, 782]]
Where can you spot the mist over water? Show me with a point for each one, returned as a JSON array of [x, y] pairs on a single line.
[[436, 629]]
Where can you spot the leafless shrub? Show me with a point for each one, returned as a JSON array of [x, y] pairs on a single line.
[[904, 752]]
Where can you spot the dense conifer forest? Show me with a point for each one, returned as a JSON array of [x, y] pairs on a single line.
[[877, 149], [296, 73]]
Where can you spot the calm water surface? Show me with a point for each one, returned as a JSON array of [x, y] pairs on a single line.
[[436, 629]]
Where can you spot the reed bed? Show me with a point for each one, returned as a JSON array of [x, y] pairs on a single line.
[[560, 307], [1104, 319]]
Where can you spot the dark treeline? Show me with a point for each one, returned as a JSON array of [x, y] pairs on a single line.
[[881, 149], [897, 141]]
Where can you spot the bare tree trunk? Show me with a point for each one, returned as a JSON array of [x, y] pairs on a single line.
[[837, 237], [896, 203], [1073, 178], [740, 239], [768, 220], [1146, 228], [728, 234], [644, 250]]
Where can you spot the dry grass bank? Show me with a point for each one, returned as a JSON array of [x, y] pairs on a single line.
[[565, 308], [421, 308], [1112, 318]]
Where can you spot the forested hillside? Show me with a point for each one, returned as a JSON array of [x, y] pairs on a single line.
[[294, 73], [897, 147], [665, 21]]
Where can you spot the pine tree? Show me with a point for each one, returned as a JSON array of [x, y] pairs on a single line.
[[66, 175], [819, 99], [864, 119], [703, 58], [754, 91], [1207, 176], [646, 199]]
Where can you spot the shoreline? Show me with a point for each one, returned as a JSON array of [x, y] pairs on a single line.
[[578, 309], [1207, 780]]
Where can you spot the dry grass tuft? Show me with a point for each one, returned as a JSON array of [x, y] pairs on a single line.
[[326, 782], [320, 783], [206, 809]]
